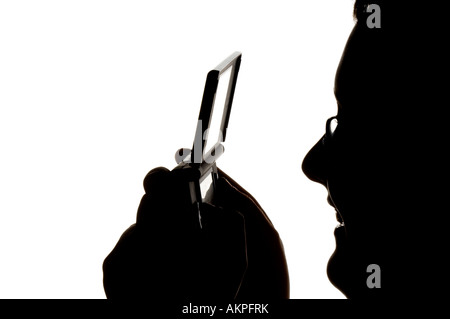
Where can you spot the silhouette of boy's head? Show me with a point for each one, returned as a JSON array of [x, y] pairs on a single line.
[[374, 158]]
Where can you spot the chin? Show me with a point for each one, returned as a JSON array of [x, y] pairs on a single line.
[[347, 269], [339, 265]]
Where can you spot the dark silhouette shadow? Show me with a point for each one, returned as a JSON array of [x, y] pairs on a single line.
[[383, 164], [236, 255]]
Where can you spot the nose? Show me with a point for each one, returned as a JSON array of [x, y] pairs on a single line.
[[314, 164]]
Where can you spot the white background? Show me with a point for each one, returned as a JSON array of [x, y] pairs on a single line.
[[94, 94]]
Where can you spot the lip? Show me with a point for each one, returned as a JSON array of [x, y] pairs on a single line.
[[340, 236], [338, 215]]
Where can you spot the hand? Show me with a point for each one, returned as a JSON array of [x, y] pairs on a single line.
[[267, 274], [165, 255]]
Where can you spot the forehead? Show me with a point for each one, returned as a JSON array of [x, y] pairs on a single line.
[[362, 75]]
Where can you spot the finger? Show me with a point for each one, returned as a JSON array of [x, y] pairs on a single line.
[[166, 200], [230, 193], [155, 179], [155, 185], [237, 191], [237, 187]]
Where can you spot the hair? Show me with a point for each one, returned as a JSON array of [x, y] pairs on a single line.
[[357, 9], [394, 14], [360, 7]]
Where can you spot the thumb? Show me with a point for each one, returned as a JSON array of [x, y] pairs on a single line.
[[156, 180], [166, 200]]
